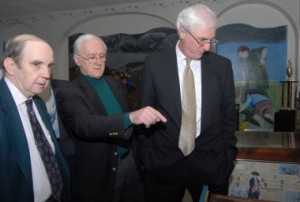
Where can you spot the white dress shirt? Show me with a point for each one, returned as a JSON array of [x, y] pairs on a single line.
[[196, 68], [41, 184]]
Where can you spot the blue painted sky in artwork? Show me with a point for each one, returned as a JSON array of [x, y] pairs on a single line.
[[232, 36], [275, 62]]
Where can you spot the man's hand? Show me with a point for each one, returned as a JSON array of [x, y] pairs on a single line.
[[147, 115]]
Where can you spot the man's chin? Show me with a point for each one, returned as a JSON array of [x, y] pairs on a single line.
[[96, 76], [40, 89]]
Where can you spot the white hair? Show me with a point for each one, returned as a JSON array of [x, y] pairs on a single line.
[[196, 15]]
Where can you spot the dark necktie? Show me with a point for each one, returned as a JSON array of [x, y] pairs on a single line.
[[188, 102], [46, 153]]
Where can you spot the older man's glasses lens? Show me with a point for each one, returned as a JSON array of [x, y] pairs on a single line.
[[93, 58], [202, 42]]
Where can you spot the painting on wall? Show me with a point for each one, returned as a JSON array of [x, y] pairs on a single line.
[[259, 58], [126, 53]]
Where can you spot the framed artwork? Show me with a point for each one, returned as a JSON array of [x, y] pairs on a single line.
[[258, 58]]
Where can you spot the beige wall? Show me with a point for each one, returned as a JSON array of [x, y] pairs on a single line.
[[140, 17]]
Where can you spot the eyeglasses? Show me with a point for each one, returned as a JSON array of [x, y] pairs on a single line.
[[94, 58], [201, 41]]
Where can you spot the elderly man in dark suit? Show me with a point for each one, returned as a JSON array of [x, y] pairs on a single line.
[[32, 167], [95, 112], [172, 160]]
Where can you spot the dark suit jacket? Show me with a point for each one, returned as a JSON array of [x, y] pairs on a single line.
[[15, 168], [65, 142], [95, 135], [215, 150]]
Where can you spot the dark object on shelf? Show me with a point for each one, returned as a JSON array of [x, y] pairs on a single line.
[[285, 121]]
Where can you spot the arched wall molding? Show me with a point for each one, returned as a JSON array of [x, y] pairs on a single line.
[[92, 18], [86, 13], [14, 29], [9, 31], [293, 26]]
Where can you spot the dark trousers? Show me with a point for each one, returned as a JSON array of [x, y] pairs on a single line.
[[158, 190], [162, 191], [128, 187], [220, 189]]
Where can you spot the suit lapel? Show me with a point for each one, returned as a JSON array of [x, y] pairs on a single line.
[[90, 93], [172, 80], [16, 132], [45, 117], [117, 91], [59, 156], [206, 79]]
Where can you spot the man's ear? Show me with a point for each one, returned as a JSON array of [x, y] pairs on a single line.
[[181, 33], [76, 59], [10, 65]]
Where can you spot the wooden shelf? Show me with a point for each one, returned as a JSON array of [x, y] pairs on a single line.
[[269, 146]]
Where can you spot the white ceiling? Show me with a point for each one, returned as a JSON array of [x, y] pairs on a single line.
[[13, 8]]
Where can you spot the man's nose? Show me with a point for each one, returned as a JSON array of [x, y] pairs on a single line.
[[47, 72], [207, 46]]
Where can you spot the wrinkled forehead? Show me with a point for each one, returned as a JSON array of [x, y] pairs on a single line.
[[93, 46]]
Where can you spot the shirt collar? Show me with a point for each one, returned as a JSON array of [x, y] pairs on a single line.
[[18, 97], [180, 56]]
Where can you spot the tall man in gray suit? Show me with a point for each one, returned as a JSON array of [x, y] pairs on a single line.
[[167, 168]]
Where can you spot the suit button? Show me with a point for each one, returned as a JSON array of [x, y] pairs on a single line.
[[114, 169]]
